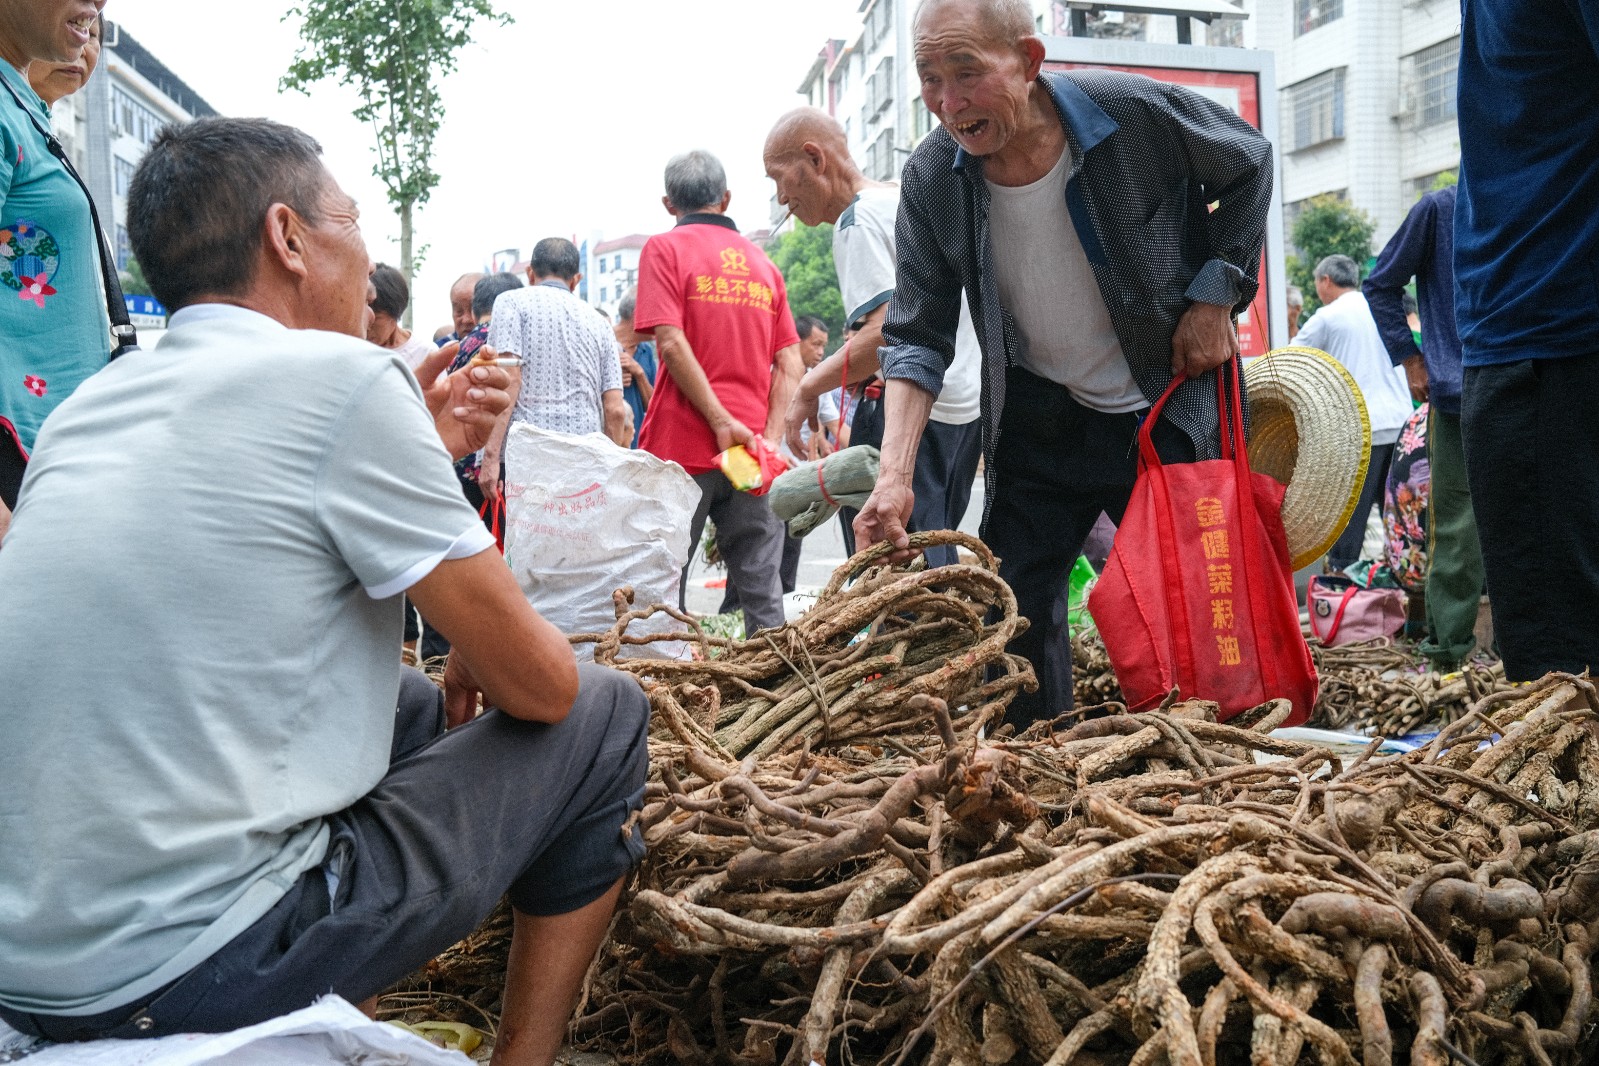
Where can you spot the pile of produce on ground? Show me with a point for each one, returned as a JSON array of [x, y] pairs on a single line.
[[1131, 890], [1378, 687]]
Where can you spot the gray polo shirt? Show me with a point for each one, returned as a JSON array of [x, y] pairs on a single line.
[[201, 620]]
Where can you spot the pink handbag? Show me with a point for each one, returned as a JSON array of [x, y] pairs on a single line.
[[1341, 612]]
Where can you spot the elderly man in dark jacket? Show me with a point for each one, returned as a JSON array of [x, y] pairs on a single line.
[[1074, 210]]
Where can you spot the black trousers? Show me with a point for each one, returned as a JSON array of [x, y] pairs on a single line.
[[1532, 460], [12, 467], [1058, 466], [1346, 550]]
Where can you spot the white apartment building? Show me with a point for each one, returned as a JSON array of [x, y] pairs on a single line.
[[1368, 99], [108, 125], [610, 269], [1367, 89]]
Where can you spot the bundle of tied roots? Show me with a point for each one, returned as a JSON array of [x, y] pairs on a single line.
[[1137, 889], [843, 672]]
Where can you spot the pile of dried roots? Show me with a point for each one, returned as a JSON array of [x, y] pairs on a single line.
[[881, 884], [1377, 687], [1135, 890]]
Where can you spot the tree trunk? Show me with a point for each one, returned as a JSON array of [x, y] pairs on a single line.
[[405, 258]]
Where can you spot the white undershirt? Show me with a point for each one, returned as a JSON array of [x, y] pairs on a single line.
[[1048, 287]]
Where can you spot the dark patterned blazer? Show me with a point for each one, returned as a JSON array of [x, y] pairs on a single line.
[[1147, 161]]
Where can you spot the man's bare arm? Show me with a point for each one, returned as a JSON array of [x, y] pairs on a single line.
[[618, 417], [691, 381], [518, 660], [785, 380], [858, 358], [488, 478]]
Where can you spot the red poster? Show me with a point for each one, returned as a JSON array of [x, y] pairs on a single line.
[[1239, 91]]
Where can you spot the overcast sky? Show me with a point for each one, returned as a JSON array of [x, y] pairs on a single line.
[[555, 126]]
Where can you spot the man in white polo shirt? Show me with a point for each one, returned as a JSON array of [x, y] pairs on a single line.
[[808, 158], [1343, 328], [220, 796]]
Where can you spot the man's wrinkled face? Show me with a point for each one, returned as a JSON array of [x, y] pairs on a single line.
[[799, 187], [340, 271], [814, 347], [976, 87], [461, 306]]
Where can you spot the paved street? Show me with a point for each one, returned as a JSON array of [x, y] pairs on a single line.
[[824, 552]]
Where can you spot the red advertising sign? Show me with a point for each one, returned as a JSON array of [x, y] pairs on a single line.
[[1240, 92]]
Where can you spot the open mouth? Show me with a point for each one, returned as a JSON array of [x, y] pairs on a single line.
[[970, 129], [83, 26]]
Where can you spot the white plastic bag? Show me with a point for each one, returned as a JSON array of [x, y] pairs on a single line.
[[583, 518]]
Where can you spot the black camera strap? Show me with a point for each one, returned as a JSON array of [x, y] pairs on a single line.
[[123, 336]]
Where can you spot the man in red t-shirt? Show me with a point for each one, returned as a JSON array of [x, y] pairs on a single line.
[[729, 361]]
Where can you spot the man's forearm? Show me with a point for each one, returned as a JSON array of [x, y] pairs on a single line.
[[907, 408], [851, 364], [618, 417], [495, 448], [785, 380], [689, 376]]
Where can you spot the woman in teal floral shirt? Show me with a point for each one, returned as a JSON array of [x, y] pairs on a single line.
[[53, 327]]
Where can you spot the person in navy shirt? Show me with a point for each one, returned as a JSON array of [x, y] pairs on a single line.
[[1527, 278], [1424, 249]]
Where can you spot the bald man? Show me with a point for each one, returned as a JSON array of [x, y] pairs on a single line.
[[808, 159], [1071, 210], [461, 306]]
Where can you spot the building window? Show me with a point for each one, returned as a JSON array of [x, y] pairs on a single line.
[[616, 264], [1309, 14], [131, 118], [1433, 70], [1317, 107], [880, 88], [1292, 211], [1226, 33], [602, 264], [1423, 185], [123, 174], [879, 23], [881, 161], [605, 295], [124, 248]]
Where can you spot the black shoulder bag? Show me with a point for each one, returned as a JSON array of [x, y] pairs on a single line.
[[123, 336]]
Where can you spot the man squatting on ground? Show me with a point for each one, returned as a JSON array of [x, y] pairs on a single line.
[[262, 807], [1072, 210], [807, 157]]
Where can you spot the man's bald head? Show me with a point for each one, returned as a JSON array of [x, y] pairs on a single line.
[[801, 125], [807, 157], [1003, 21]]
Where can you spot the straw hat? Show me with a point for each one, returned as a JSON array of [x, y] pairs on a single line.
[[1309, 430]]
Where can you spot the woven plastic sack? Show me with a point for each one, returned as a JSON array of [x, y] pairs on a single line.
[[583, 518]]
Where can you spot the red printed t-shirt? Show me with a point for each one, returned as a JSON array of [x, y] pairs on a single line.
[[729, 301]]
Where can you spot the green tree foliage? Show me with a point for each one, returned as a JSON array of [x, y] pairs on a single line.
[[805, 256], [1444, 180], [1327, 226], [395, 54], [131, 278]]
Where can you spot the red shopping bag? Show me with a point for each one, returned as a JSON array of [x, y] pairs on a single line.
[[1198, 594]]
